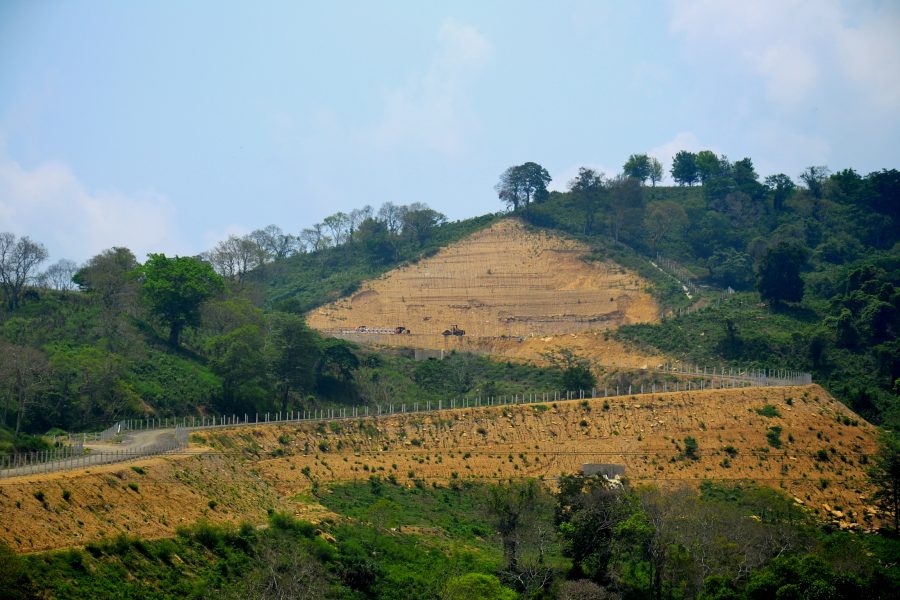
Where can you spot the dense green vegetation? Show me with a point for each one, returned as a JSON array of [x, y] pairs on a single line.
[[510, 540], [170, 337], [817, 268]]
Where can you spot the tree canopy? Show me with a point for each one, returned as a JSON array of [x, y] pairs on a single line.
[[19, 259], [778, 273], [684, 168], [637, 166], [175, 288], [522, 184]]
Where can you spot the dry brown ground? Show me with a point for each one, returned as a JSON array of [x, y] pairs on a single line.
[[256, 468], [171, 491], [515, 292], [643, 433]]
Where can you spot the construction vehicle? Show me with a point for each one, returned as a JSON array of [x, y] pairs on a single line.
[[454, 330]]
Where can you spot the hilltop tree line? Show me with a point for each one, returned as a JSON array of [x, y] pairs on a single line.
[[820, 249], [379, 234]]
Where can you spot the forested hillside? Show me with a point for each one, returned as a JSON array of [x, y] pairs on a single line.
[[217, 334], [815, 264]]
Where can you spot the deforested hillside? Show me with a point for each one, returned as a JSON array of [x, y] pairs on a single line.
[[506, 290], [797, 440]]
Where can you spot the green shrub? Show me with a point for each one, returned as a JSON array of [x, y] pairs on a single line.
[[768, 411], [690, 448], [773, 436]]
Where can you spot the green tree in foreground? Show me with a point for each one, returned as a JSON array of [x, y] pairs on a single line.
[[175, 288], [778, 274], [885, 474]]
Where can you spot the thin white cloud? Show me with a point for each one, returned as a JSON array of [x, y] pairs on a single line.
[[801, 48], [431, 110], [50, 205]]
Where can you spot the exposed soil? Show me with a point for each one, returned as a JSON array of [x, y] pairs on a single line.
[[820, 463], [645, 434], [514, 293], [151, 502]]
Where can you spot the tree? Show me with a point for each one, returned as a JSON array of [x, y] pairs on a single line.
[[588, 190], [392, 217], [814, 178], [708, 165], [684, 168], [274, 243], [626, 203], [59, 275], [637, 166], [19, 259], [781, 187], [885, 475], [315, 238], [656, 171], [375, 238], [728, 267], [235, 257], [235, 357], [22, 371], [339, 226], [778, 273], [513, 505], [588, 511], [520, 185], [355, 218], [107, 274], [576, 370], [419, 222], [291, 354], [665, 220], [175, 288]]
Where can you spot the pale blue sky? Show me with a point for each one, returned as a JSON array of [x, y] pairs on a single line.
[[165, 126]]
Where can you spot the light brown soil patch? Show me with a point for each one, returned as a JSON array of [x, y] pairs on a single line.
[[508, 288], [643, 433], [255, 468], [174, 490]]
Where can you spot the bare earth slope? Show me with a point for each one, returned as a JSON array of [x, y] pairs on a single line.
[[513, 291], [820, 463]]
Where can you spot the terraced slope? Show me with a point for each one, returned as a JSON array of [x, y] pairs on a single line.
[[820, 458], [514, 292], [819, 461]]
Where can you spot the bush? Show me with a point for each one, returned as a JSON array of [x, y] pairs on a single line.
[[773, 436], [690, 448], [768, 411], [285, 522]]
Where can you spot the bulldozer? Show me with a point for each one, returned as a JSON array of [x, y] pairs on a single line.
[[454, 330]]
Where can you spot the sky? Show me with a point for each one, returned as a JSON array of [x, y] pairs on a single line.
[[166, 126]]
